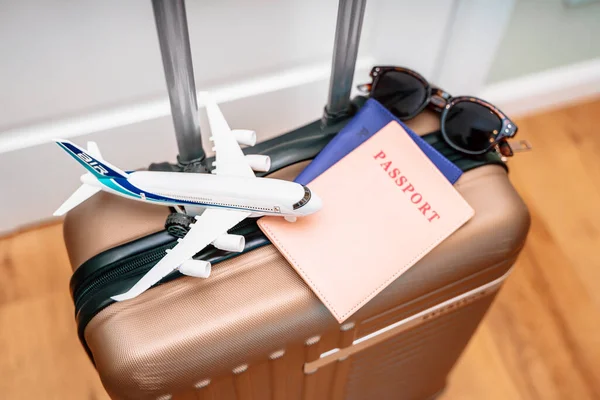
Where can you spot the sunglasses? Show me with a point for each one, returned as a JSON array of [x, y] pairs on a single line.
[[468, 124]]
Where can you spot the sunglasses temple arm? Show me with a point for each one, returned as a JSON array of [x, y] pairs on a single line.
[[519, 146]]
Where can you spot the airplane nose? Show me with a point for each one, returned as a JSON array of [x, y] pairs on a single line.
[[314, 204]]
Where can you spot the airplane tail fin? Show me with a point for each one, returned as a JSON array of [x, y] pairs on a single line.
[[93, 150], [91, 160], [79, 196]]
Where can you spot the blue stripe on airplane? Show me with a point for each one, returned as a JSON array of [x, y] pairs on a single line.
[[126, 186], [75, 151]]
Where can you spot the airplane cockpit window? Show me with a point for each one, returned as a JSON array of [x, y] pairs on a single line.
[[303, 200]]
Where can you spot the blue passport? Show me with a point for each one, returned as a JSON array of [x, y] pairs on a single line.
[[367, 122]]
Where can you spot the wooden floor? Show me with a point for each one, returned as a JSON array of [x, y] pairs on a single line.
[[540, 340]]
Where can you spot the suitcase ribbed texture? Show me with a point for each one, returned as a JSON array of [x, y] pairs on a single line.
[[410, 365]]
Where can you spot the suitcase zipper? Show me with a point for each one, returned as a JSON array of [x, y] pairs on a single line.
[[141, 263], [118, 272]]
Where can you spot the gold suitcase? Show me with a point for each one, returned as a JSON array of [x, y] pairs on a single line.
[[254, 330]]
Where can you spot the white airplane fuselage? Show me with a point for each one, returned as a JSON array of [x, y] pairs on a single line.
[[217, 201], [260, 196]]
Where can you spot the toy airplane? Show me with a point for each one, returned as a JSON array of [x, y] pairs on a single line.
[[218, 201]]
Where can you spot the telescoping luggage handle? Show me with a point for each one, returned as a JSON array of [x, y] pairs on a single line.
[[345, 50], [173, 36]]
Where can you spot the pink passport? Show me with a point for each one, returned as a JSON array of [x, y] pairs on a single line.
[[385, 206]]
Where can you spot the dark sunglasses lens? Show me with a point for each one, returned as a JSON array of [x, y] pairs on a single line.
[[399, 92], [471, 126]]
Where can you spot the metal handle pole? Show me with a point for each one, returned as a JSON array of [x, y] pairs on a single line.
[[171, 25], [345, 50]]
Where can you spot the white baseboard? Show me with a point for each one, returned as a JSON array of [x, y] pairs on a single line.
[[37, 176], [105, 120], [545, 90]]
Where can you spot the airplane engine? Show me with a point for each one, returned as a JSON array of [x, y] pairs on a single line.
[[229, 242], [258, 162], [195, 268], [244, 136]]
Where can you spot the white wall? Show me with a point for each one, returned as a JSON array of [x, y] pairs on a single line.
[[91, 70], [67, 58], [546, 34]]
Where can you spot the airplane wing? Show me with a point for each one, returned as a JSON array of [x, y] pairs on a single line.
[[209, 226], [230, 159]]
